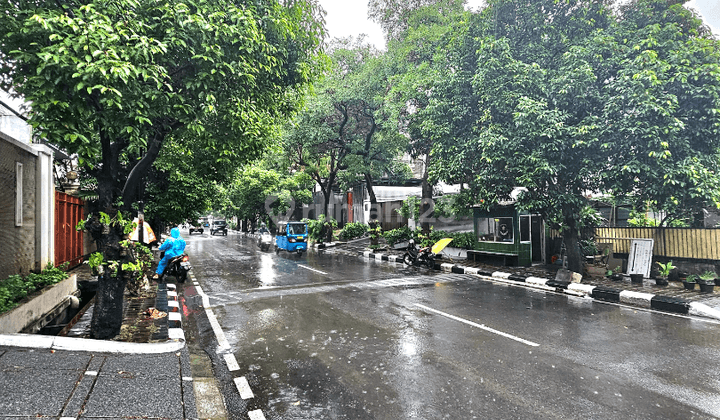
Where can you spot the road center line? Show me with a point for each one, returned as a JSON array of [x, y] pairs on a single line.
[[312, 269], [482, 327]]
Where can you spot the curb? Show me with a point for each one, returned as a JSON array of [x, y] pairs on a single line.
[[167, 300], [600, 293]]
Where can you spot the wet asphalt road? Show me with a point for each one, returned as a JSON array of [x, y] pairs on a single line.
[[326, 336]]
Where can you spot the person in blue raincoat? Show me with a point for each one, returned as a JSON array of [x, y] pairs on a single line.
[[173, 246]]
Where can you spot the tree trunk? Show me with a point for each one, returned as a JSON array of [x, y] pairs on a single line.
[[426, 204], [572, 245], [108, 310], [373, 199]]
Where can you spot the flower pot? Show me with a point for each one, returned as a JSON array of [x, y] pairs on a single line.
[[616, 277], [689, 285], [636, 278], [661, 281], [717, 281], [707, 287]]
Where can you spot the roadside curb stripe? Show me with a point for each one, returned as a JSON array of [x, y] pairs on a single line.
[[243, 388], [256, 415], [600, 293]]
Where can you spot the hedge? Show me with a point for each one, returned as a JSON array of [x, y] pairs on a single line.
[[14, 288]]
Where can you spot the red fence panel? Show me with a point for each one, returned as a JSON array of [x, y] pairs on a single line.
[[68, 241]]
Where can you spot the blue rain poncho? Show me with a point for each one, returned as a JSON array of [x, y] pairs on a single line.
[[173, 246]]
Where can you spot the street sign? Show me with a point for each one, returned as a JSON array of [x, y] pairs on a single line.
[[640, 258]]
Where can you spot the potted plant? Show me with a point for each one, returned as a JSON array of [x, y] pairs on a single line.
[[707, 281], [613, 275], [636, 278], [662, 277], [689, 282]]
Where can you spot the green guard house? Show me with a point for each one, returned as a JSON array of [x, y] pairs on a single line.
[[508, 237]]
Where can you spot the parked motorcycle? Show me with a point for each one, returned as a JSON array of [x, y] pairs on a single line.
[[264, 241], [178, 267], [423, 256]]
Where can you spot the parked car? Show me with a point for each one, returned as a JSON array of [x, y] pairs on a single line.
[[194, 228], [218, 226]]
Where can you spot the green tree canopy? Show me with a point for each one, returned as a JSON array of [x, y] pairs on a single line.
[[569, 98], [344, 134], [112, 80]]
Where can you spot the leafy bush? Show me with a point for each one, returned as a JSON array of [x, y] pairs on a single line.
[[15, 288], [465, 240], [317, 229], [397, 235], [352, 230]]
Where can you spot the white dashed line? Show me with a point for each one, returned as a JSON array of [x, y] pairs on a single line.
[[243, 388], [231, 362], [482, 327], [256, 415], [312, 269]]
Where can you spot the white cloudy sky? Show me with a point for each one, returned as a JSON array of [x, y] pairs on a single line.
[[349, 17]]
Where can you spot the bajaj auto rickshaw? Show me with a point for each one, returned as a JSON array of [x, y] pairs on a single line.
[[291, 236]]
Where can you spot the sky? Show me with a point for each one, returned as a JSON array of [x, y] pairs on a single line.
[[349, 18]]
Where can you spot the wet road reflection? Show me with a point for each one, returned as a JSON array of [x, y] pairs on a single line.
[[235, 262], [366, 341]]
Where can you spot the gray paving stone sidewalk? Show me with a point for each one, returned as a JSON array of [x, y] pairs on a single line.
[[77, 385]]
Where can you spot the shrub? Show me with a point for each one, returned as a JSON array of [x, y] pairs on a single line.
[[317, 229], [15, 288], [352, 230], [397, 235]]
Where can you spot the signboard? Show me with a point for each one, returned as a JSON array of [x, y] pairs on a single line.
[[640, 257]]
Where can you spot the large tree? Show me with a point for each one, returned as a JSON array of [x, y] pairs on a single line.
[[345, 129], [420, 65], [567, 98], [112, 80]]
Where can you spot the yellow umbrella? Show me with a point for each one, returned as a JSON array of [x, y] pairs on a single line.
[[440, 245]]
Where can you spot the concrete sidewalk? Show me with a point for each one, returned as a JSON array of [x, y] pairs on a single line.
[[86, 384], [76, 378]]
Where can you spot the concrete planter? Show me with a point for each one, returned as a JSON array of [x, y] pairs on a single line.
[[49, 302], [453, 252]]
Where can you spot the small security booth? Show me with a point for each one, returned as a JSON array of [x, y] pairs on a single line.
[[507, 236]]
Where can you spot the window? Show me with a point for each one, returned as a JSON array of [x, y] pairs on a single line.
[[18, 194], [296, 229], [495, 229]]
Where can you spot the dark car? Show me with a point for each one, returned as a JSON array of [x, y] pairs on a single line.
[[218, 226], [194, 228]]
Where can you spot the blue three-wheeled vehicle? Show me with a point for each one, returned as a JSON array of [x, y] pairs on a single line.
[[292, 237]]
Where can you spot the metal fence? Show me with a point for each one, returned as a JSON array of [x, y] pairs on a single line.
[[68, 241]]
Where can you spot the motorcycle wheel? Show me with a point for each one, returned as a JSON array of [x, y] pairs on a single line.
[[299, 252], [182, 276], [407, 260], [430, 263]]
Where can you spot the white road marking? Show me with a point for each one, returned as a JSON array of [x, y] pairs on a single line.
[[473, 324], [231, 362], [256, 415], [243, 388], [312, 269], [223, 344]]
